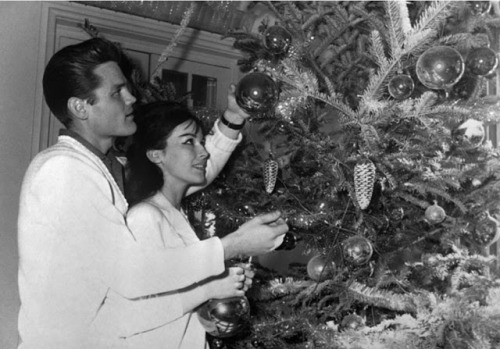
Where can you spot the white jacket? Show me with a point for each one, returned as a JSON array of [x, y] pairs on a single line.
[[75, 248]]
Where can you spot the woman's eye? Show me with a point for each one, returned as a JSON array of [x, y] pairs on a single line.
[[189, 141]]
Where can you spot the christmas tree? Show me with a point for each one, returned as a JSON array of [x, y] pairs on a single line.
[[368, 134]]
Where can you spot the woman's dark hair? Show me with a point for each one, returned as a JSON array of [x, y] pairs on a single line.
[[155, 122], [70, 73]]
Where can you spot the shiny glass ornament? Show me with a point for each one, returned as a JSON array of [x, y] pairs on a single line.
[[486, 231], [303, 163], [319, 268], [480, 7], [440, 68], [277, 39], [256, 93], [289, 242], [351, 322], [226, 317], [482, 61], [435, 214], [470, 134], [357, 250], [401, 86]]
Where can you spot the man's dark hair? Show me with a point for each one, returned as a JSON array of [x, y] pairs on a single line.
[[70, 73]]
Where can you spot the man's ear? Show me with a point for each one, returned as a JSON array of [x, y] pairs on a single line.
[[153, 156], [78, 107]]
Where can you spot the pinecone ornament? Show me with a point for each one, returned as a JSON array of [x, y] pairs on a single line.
[[270, 174], [364, 180]]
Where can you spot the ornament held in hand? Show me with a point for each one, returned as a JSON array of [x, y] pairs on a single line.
[[440, 68], [277, 39], [289, 242], [435, 214], [482, 61], [256, 93], [319, 268], [401, 86], [357, 250], [226, 317]]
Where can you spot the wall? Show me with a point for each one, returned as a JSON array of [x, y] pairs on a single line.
[[19, 37]]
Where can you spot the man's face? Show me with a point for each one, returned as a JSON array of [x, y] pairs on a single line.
[[111, 114]]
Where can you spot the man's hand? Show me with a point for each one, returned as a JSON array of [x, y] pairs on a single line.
[[256, 237]]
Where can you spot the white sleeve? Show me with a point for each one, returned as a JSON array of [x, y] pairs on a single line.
[[70, 212]]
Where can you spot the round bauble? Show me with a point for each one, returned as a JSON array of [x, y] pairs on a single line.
[[440, 67], [480, 7], [486, 231], [351, 322], [470, 133], [256, 93], [277, 39], [357, 250], [397, 214], [319, 268], [401, 86], [303, 163], [226, 317], [289, 242], [482, 61], [435, 214]]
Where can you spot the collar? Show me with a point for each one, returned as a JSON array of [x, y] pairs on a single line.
[[83, 141]]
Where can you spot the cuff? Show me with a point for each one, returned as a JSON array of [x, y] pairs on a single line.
[[222, 142]]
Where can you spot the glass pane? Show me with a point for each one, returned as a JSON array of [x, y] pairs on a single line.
[[204, 91], [178, 80]]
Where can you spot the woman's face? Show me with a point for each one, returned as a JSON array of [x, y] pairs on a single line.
[[183, 161]]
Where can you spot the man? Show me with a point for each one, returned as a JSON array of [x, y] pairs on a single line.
[[74, 243]]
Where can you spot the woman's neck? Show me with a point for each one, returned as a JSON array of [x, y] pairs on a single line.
[[173, 196]]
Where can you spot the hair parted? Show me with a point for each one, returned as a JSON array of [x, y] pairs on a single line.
[[155, 123]]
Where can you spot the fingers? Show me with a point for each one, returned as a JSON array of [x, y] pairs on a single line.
[[268, 218]]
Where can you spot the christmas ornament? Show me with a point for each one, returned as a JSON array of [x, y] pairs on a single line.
[[303, 163], [351, 322], [480, 7], [364, 180], [277, 39], [482, 61], [471, 133], [401, 86], [435, 214], [357, 250], [226, 317], [270, 174], [289, 242], [319, 268], [397, 214], [440, 67], [486, 231], [466, 88], [256, 93]]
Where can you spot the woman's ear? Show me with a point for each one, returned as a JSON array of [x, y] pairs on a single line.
[[153, 156], [78, 108]]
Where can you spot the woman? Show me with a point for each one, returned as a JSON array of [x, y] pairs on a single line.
[[167, 159]]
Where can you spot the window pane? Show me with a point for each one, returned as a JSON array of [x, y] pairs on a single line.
[[204, 91]]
